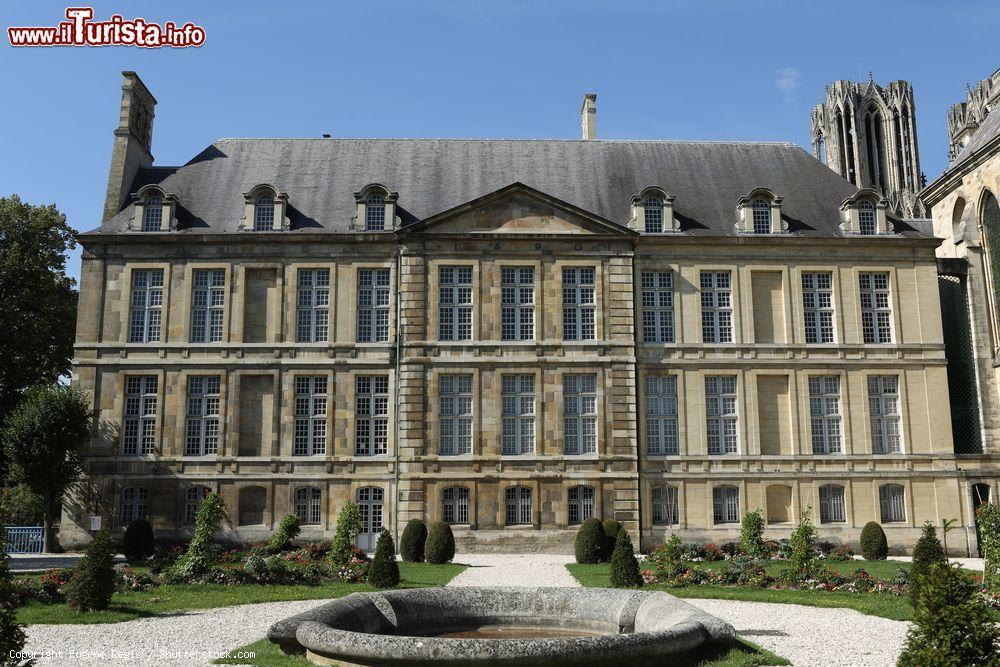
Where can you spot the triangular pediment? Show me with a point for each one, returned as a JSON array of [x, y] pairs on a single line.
[[517, 210]]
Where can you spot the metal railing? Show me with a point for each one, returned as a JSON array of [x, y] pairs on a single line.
[[24, 539]]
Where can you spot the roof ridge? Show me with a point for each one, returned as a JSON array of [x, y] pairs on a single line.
[[581, 141]]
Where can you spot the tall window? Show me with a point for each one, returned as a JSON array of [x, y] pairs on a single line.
[[653, 208], [891, 503], [193, 498], [726, 504], [578, 303], [455, 314], [202, 433], [658, 306], [152, 214], [883, 409], [518, 420], [308, 505], [582, 504], [866, 218], [139, 428], [517, 506], [517, 303], [720, 410], [661, 415], [455, 502], [134, 503], [991, 234], [373, 305], [313, 304], [208, 299], [371, 415], [147, 306], [831, 504], [716, 307], [817, 306], [876, 311], [579, 414], [824, 413], [310, 416], [666, 506], [375, 213], [761, 216], [455, 418], [263, 213]]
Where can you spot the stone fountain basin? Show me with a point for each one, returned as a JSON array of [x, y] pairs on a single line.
[[399, 627]]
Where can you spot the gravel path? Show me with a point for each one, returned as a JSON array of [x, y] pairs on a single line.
[[515, 570]]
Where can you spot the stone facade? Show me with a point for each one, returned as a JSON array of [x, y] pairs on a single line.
[[258, 359]]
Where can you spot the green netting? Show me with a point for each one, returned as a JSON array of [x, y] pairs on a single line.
[[961, 366]]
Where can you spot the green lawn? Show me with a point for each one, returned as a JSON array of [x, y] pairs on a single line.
[[167, 599], [880, 569], [742, 654]]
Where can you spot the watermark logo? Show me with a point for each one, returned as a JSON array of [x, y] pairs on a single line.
[[79, 29]]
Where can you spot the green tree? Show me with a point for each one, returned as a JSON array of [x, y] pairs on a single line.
[[874, 546], [624, 565], [12, 635], [287, 531], [411, 544], [589, 544], [38, 318], [440, 545], [198, 558], [927, 551], [951, 626], [752, 534], [93, 581], [384, 570], [42, 439], [803, 542], [348, 525], [988, 518]]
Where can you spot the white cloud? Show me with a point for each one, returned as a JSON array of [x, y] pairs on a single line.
[[787, 82]]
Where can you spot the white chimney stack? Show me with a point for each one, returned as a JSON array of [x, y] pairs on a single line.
[[589, 113]]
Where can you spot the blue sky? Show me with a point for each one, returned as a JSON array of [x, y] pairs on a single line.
[[432, 68]]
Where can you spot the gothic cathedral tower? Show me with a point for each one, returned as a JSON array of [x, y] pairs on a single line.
[[867, 134]]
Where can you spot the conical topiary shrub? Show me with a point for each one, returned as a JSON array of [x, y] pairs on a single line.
[[411, 544], [384, 570], [874, 546], [138, 542], [611, 529], [93, 581], [440, 545], [926, 552], [624, 565], [589, 543]]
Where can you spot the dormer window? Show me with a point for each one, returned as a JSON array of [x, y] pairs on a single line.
[[864, 214], [375, 212], [867, 222], [153, 210], [152, 214], [653, 212], [761, 216], [265, 210], [759, 212], [263, 213], [376, 209]]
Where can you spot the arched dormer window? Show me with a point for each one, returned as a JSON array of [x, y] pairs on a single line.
[[265, 210], [759, 212], [864, 214], [152, 215], [653, 212], [154, 210], [376, 209]]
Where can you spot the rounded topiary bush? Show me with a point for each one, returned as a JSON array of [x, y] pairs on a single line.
[[611, 529], [384, 570], [413, 541], [624, 565], [440, 545], [590, 542], [138, 542], [93, 581], [874, 546]]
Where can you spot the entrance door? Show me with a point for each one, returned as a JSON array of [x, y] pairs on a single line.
[[370, 503], [980, 496]]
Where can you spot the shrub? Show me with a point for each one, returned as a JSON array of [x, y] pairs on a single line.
[[198, 558], [951, 627], [440, 545], [287, 531], [873, 543], [384, 570], [666, 560], [93, 581], [12, 635], [624, 566], [611, 529], [988, 520], [138, 542], [803, 542], [752, 534], [926, 552], [411, 544], [589, 542], [731, 549], [348, 525]]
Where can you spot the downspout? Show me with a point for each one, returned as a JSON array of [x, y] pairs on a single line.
[[395, 401], [636, 317]]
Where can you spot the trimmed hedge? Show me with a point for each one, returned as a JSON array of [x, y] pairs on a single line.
[[138, 542], [611, 530], [440, 545], [93, 580], [413, 541], [384, 570], [624, 565], [589, 544], [874, 546]]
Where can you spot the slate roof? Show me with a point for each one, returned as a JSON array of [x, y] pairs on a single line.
[[982, 136], [433, 175]]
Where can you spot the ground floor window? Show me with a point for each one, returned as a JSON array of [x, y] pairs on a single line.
[[726, 502], [666, 507], [192, 503], [891, 503], [582, 504], [456, 505], [518, 506], [831, 504], [134, 501], [307, 505]]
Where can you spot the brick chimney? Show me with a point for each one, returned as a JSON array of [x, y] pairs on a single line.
[[133, 142], [589, 113]]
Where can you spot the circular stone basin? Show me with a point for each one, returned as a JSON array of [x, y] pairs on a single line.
[[500, 626]]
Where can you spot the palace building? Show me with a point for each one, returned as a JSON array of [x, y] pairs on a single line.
[[511, 336]]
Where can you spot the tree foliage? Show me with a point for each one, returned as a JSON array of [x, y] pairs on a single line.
[[348, 525], [198, 558], [589, 543], [384, 570], [93, 581], [440, 545], [988, 519], [12, 635], [139, 541], [42, 439], [611, 529], [288, 530], [874, 546], [803, 542], [752, 534], [413, 541], [624, 565], [927, 551]]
